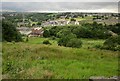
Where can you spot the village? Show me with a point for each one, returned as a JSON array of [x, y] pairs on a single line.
[[37, 31], [30, 25], [34, 27]]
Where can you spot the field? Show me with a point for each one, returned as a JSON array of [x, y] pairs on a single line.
[[34, 60]]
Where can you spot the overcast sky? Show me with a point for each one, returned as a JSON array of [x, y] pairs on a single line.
[[60, 0], [111, 6]]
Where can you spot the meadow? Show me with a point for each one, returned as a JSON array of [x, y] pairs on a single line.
[[34, 60]]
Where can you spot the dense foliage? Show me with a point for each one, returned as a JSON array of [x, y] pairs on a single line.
[[9, 32], [94, 30], [75, 43], [115, 28], [112, 43], [69, 35], [63, 41], [46, 33]]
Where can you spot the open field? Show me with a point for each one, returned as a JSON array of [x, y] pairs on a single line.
[[36, 60], [78, 18]]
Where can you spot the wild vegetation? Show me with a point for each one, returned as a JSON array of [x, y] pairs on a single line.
[[70, 36], [34, 60], [64, 52], [10, 33], [112, 43]]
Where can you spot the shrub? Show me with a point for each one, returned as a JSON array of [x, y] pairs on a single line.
[[70, 40], [27, 39], [46, 42], [65, 39], [112, 43], [75, 43], [97, 46]]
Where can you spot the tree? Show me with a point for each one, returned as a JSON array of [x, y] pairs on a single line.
[[46, 33], [10, 33], [63, 33], [54, 30], [64, 40], [112, 43], [114, 28]]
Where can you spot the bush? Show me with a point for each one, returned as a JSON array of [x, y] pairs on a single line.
[[75, 43], [27, 39], [112, 43], [97, 46], [46, 42], [70, 40], [65, 39]]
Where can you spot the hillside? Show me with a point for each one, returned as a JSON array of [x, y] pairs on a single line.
[[34, 60]]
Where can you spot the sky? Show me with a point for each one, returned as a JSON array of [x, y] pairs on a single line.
[[60, 6], [60, 0]]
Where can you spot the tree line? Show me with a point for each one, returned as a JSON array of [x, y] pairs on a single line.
[[69, 36]]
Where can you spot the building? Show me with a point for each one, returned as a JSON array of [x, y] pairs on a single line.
[[36, 32], [31, 32], [59, 23], [24, 30]]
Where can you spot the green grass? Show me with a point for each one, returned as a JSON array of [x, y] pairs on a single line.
[[34, 60], [78, 18], [37, 40], [91, 43], [85, 18]]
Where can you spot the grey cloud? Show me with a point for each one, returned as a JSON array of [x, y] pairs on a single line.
[[60, 0], [57, 6]]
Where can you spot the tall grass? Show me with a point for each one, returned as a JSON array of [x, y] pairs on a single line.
[[37, 61]]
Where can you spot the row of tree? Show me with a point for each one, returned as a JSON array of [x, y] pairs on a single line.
[[94, 30], [69, 36]]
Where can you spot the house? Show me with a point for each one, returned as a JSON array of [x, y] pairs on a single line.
[[24, 30], [59, 23], [62, 22], [72, 23], [36, 32]]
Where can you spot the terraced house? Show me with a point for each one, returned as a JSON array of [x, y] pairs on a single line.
[[59, 23], [31, 32]]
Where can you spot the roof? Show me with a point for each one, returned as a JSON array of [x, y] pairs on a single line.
[[37, 28]]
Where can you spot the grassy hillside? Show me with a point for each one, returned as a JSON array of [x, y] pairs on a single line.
[[35, 60]]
